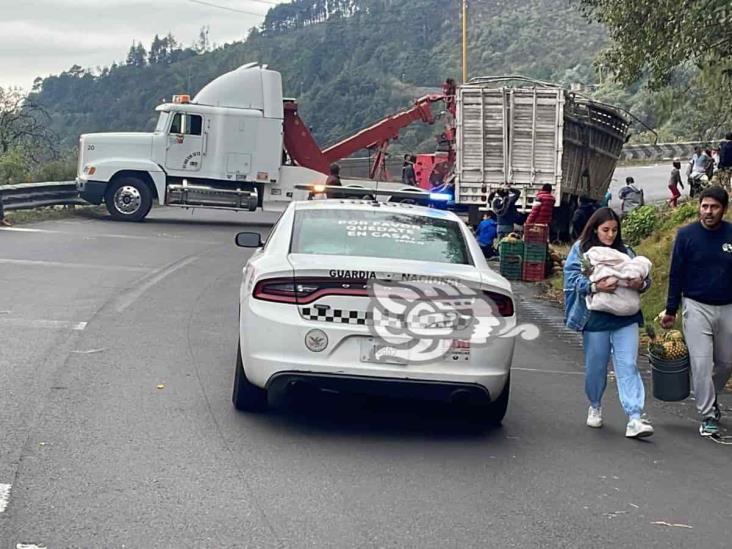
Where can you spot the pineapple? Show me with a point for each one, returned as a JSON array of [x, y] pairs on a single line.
[[674, 350], [669, 346], [675, 335], [655, 347], [674, 345]]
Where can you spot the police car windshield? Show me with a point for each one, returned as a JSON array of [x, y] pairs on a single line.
[[378, 233]]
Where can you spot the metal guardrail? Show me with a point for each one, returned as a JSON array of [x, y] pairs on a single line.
[[663, 151], [27, 196]]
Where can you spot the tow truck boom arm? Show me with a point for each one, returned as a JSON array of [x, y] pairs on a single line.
[[303, 149]]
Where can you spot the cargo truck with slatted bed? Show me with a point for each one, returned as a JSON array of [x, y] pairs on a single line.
[[525, 133]]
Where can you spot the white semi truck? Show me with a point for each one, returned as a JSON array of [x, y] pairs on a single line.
[[223, 149]]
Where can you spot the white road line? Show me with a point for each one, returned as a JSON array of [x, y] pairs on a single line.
[[85, 266], [548, 371], [119, 236], [4, 496], [29, 546], [129, 298], [52, 324]]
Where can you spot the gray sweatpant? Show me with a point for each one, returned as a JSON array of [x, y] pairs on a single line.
[[708, 331]]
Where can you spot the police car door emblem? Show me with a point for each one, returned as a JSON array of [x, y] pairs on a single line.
[[727, 247]]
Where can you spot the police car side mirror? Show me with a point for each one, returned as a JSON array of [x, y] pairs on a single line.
[[249, 240]]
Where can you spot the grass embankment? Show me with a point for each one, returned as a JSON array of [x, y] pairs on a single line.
[[22, 217]]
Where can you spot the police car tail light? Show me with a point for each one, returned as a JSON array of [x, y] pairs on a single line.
[[283, 290], [306, 290], [504, 304]]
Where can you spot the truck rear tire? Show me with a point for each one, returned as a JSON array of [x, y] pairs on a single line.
[[128, 199]]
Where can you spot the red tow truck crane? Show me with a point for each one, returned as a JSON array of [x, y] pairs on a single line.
[[304, 151]]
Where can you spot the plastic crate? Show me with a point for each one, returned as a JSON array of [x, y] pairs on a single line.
[[508, 247], [533, 271], [511, 267], [534, 252], [536, 233]]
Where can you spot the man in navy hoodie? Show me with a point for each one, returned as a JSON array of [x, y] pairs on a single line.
[[701, 272]]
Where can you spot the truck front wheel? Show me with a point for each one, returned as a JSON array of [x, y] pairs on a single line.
[[128, 199]]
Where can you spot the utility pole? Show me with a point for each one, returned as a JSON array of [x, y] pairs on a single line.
[[465, 41]]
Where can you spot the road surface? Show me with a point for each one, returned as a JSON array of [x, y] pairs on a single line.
[[117, 429]]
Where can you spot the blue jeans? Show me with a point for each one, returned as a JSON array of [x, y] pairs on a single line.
[[622, 345]]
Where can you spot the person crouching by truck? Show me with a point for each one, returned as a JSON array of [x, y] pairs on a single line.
[[503, 203], [486, 234], [606, 335]]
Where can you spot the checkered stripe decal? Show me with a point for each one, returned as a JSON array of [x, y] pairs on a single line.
[[366, 318], [338, 316]]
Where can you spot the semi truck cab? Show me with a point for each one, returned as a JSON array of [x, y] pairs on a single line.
[[222, 149]]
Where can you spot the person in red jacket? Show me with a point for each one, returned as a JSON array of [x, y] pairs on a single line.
[[543, 208]]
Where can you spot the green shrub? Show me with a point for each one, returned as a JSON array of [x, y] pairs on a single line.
[[639, 224], [687, 211], [14, 167]]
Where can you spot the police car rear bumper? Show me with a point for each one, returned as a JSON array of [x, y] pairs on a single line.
[[464, 393]]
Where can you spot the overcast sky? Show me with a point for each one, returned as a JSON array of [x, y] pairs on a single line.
[[42, 37]]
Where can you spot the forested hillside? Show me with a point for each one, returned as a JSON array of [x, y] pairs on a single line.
[[349, 62]]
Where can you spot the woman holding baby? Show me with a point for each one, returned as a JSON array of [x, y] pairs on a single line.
[[603, 280]]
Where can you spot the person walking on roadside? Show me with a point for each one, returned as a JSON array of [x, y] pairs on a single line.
[[408, 174], [3, 222], [725, 162], [486, 234], [631, 196], [543, 208], [701, 274], [334, 180], [606, 335], [674, 182], [605, 202]]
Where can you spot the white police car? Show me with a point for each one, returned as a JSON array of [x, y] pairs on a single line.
[[377, 298]]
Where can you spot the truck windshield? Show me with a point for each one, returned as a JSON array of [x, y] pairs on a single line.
[[391, 235], [162, 123]]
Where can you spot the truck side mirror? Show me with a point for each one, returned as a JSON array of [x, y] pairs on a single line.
[[249, 240]]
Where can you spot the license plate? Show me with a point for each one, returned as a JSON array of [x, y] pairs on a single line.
[[380, 352]]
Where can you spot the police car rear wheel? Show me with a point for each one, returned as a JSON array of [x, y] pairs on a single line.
[[493, 413], [246, 397]]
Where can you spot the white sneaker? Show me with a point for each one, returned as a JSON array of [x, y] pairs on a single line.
[[638, 428], [594, 417]]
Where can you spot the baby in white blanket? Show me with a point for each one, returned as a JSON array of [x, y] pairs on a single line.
[[609, 263]]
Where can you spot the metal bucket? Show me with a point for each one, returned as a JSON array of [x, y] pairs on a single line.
[[670, 378]]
